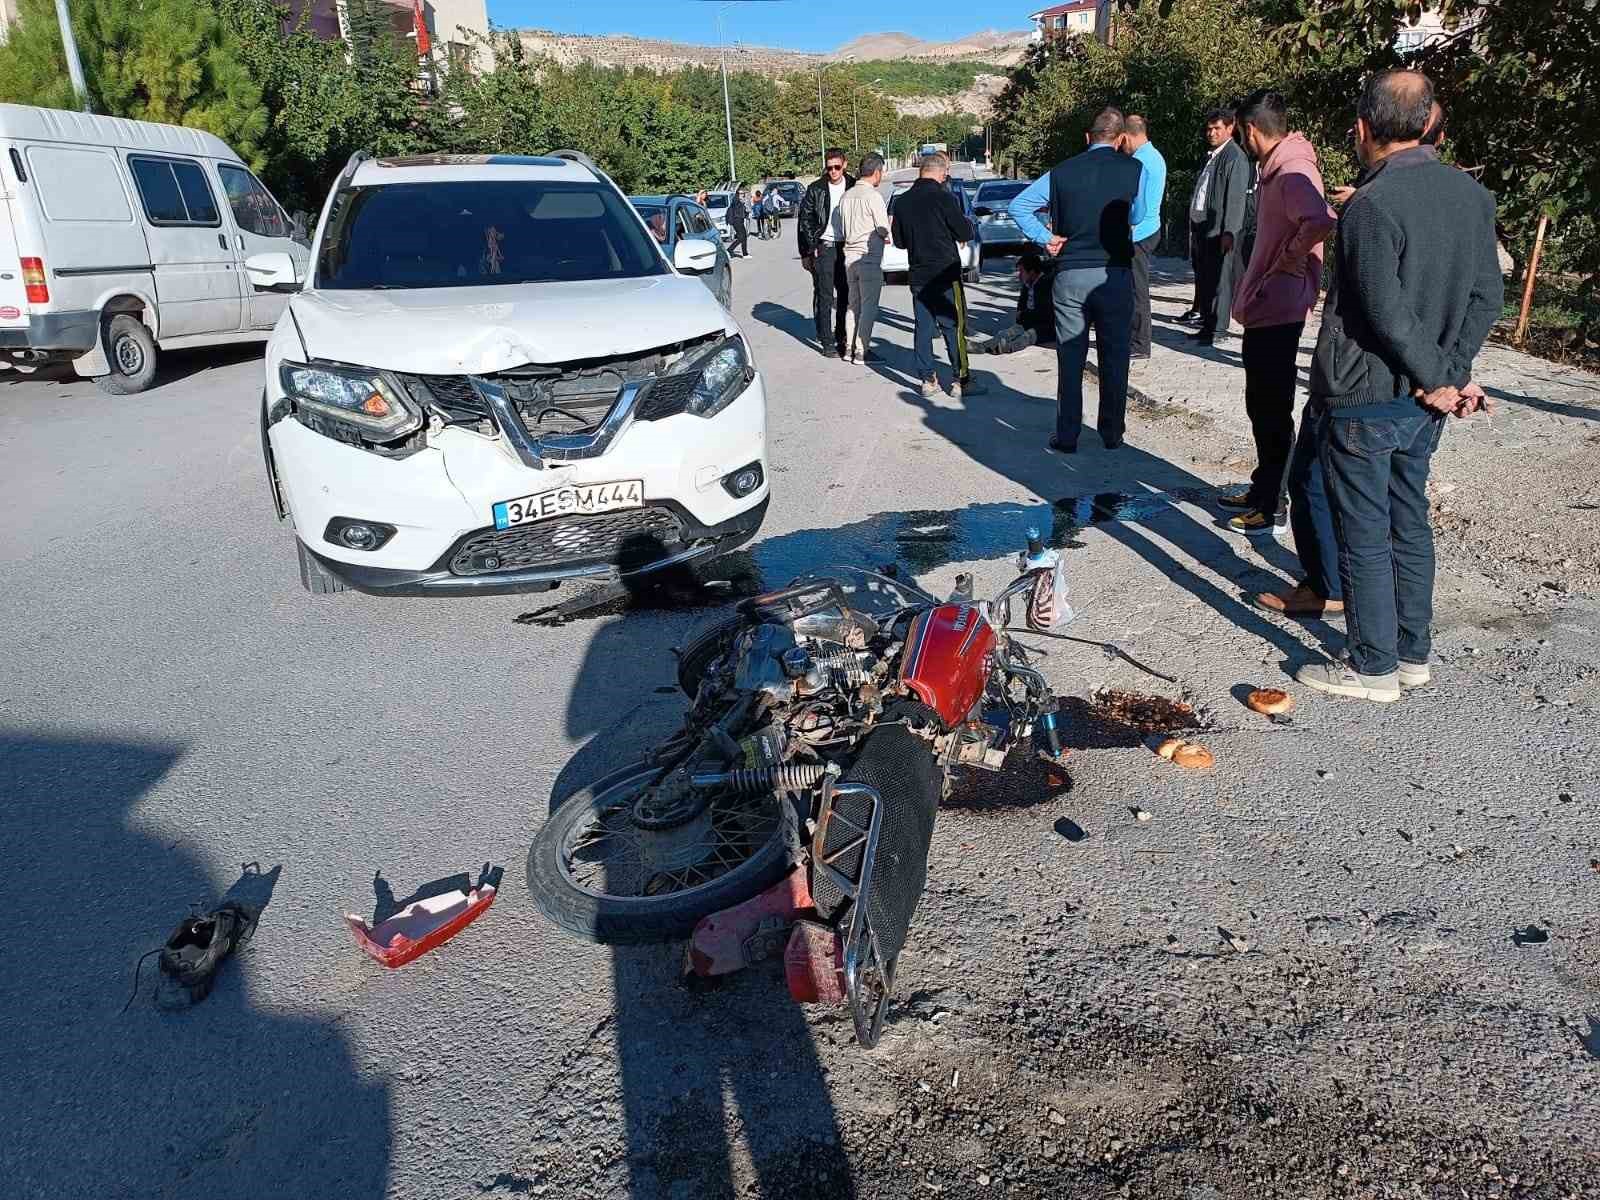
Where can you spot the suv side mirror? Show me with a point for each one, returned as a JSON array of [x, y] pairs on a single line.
[[694, 256], [273, 272]]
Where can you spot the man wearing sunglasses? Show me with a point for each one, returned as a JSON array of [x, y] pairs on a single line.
[[820, 229]]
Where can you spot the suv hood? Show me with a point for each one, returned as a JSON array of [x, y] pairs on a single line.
[[480, 330]]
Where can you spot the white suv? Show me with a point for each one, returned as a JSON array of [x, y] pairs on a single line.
[[494, 380]]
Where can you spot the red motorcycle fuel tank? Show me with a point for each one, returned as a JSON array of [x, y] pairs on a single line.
[[946, 659]]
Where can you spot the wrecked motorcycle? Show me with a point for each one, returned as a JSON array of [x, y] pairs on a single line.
[[793, 810]]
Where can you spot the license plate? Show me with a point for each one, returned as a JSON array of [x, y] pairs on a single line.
[[568, 500]]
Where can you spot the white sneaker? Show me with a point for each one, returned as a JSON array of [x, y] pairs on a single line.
[[930, 387], [1339, 679], [1414, 675]]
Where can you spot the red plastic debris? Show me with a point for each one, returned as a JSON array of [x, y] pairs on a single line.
[[419, 927], [750, 932], [813, 964]]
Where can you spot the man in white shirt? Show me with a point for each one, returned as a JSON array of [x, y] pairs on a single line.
[[866, 229], [820, 231]]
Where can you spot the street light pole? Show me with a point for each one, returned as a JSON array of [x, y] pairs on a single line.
[[822, 129], [727, 108], [70, 45]]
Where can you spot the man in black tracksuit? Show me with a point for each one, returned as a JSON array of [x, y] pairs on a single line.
[[927, 223], [1416, 290], [819, 226]]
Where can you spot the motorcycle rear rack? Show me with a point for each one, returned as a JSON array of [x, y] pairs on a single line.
[[861, 950]]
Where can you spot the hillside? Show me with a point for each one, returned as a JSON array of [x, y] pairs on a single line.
[[920, 78], [991, 45]]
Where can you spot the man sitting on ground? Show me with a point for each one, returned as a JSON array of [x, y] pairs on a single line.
[[1036, 314]]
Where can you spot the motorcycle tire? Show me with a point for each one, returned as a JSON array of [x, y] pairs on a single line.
[[644, 920], [703, 649]]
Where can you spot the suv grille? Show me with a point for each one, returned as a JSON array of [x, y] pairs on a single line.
[[570, 398], [628, 538]]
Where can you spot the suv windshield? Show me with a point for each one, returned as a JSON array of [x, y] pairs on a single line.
[[481, 232]]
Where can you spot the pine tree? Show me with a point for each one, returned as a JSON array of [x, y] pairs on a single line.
[[150, 60]]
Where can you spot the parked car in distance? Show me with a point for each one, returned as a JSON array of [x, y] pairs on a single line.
[[895, 262], [670, 220], [717, 205], [790, 191], [997, 232], [494, 380], [121, 239]]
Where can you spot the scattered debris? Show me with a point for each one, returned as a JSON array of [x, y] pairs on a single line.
[[1070, 829], [1056, 1118], [1194, 757], [1142, 814], [1147, 714], [1270, 702], [1530, 935], [1169, 747], [425, 923], [1325, 776], [1233, 939]]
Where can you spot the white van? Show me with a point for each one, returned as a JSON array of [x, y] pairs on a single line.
[[118, 237]]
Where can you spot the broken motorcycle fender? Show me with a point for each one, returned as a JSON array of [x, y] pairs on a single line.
[[750, 932], [419, 927]]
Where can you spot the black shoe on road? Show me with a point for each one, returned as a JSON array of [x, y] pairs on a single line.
[[830, 352], [197, 947], [1061, 447]]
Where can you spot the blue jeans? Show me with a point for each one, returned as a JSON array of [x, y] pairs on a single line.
[[1309, 515], [1101, 297], [1376, 474], [942, 306]]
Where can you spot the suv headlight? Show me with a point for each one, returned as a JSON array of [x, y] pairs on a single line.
[[724, 373], [358, 396]]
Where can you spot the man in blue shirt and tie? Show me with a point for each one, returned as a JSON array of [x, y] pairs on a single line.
[[1152, 189], [1095, 201]]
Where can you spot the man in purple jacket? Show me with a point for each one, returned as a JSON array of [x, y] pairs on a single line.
[[1272, 301]]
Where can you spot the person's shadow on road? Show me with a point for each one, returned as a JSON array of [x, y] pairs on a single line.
[[221, 1099]]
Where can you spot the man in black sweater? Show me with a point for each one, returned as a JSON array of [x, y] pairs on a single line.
[[1216, 224], [928, 223], [1416, 290], [1093, 199]]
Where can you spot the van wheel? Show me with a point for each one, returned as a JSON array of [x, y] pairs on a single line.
[[314, 577], [131, 351]]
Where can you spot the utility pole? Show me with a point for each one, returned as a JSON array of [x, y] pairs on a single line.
[[727, 108], [70, 45], [822, 129]]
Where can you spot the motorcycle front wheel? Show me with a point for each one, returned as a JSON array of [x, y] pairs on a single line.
[[596, 873]]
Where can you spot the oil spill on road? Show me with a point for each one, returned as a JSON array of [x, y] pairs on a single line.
[[916, 540], [1024, 782]]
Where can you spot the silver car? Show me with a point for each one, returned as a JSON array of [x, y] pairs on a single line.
[[997, 232]]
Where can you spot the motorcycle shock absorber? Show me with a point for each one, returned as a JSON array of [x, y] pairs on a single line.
[[756, 781], [1046, 735]]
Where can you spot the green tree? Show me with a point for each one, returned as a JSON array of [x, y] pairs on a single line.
[[1515, 78], [173, 61]]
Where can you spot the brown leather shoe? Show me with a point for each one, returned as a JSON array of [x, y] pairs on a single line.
[[1299, 601]]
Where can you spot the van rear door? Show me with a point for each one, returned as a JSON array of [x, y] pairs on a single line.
[[13, 296]]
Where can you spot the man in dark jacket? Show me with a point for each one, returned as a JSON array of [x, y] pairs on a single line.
[[1036, 315], [820, 229], [738, 218], [1094, 203], [1416, 290], [1216, 223], [928, 222]]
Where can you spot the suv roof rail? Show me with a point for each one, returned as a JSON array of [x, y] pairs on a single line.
[[356, 159], [579, 157]]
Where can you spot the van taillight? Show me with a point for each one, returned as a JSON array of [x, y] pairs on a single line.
[[33, 280]]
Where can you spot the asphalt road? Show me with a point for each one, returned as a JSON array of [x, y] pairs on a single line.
[[1359, 957]]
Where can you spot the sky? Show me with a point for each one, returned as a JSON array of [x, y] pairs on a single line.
[[786, 24]]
